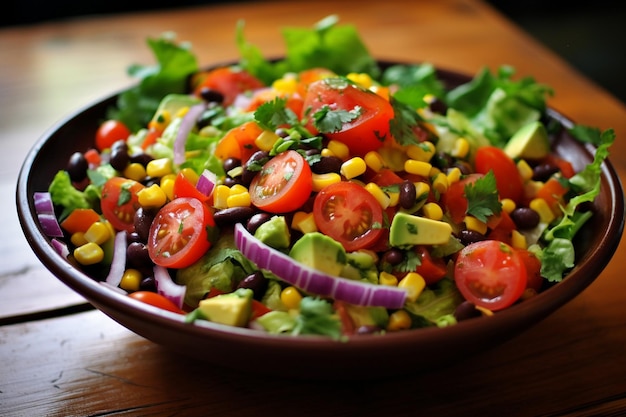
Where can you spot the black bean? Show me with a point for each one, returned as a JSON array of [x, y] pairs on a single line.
[[442, 160], [256, 282], [281, 132], [141, 158], [393, 256], [408, 194], [327, 164], [137, 255], [230, 181], [438, 106], [368, 329], [120, 145], [463, 166], [211, 96], [543, 172], [231, 163], [148, 284], [133, 237], [233, 215], [251, 167], [142, 222], [256, 220], [466, 310], [470, 236], [525, 218], [119, 158], [77, 167]]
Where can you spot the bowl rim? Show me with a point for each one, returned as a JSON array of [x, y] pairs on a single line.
[[529, 311]]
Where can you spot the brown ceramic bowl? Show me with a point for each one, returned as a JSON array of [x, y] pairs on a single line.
[[316, 357]]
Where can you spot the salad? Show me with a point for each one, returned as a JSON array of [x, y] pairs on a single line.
[[323, 193]]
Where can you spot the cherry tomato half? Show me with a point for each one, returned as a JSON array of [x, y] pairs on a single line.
[[454, 199], [230, 82], [284, 183], [349, 214], [508, 179], [156, 300], [179, 233], [119, 202], [110, 132], [368, 131], [490, 274]]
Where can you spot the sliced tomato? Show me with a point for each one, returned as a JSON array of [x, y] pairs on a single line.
[[490, 274], [183, 187], [284, 183], [366, 130], [431, 269], [156, 300], [508, 179], [239, 142], [454, 199], [293, 102], [501, 227], [533, 269], [110, 132], [229, 81], [119, 202], [179, 234], [349, 214]]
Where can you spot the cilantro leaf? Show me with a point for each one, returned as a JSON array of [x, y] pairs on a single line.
[[404, 121], [272, 114], [482, 197], [329, 121]]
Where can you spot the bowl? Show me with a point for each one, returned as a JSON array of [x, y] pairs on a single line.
[[364, 356]]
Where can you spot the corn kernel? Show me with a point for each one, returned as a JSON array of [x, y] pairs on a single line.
[[472, 223], [78, 238], [161, 121], [399, 320], [239, 200], [380, 196], [362, 79], [525, 171], [152, 197], [543, 209], [413, 166], [454, 175], [238, 189], [461, 148], [394, 198], [291, 297], [432, 211], [159, 167], [288, 84], [304, 222], [508, 205], [440, 182], [339, 149], [381, 91], [220, 196], [190, 175], [135, 171], [414, 284], [322, 180], [98, 233], [167, 186], [422, 190], [266, 140], [326, 152], [518, 240], [88, 254], [385, 278], [131, 279], [422, 152], [374, 161]]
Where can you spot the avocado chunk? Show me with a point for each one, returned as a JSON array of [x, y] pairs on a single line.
[[321, 252], [367, 316], [274, 233], [529, 142], [407, 230], [232, 309], [173, 103]]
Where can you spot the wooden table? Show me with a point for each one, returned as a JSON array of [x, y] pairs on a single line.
[[60, 358]]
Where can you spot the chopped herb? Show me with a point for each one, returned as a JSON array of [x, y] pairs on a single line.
[[329, 121], [125, 194], [482, 197]]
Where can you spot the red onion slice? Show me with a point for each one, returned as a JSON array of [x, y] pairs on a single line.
[[206, 182], [167, 287], [45, 214], [118, 264], [314, 281], [186, 125]]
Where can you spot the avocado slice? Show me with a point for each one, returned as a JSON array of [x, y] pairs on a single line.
[[407, 230], [321, 252], [529, 142], [233, 309], [274, 233]]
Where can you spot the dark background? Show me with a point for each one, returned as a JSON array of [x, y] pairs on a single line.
[[590, 36]]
